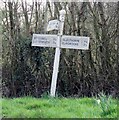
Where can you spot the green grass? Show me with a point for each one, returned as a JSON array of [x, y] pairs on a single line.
[[28, 107]]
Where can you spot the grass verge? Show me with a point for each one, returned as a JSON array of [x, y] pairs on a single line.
[[29, 107]]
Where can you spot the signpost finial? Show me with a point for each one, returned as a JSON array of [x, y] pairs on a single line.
[[62, 15]]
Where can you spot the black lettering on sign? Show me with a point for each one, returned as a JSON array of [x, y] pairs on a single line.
[[43, 38], [35, 37], [54, 41], [70, 43], [44, 42], [70, 40], [40, 40], [85, 43]]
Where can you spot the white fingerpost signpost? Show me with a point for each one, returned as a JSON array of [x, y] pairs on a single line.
[[59, 41]]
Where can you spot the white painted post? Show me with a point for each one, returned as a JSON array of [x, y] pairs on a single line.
[[57, 55]]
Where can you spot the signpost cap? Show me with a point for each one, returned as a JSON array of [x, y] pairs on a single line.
[[62, 12]]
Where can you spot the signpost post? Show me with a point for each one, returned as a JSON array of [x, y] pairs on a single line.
[[57, 54], [59, 41]]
